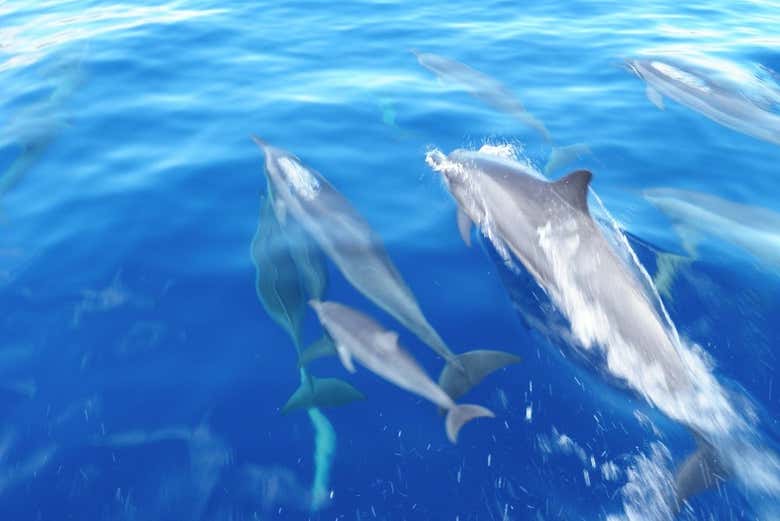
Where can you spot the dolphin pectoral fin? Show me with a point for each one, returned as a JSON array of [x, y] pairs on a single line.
[[655, 97], [699, 472], [464, 227], [459, 415], [667, 267], [573, 188], [475, 366], [689, 238], [317, 349], [346, 358], [322, 392]]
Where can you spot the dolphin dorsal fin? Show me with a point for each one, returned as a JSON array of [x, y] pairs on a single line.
[[573, 188], [388, 340]]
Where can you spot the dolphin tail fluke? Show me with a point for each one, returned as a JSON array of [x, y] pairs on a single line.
[[320, 393], [469, 369], [459, 415], [317, 349], [699, 472]]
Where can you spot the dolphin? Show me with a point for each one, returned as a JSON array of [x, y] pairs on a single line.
[[280, 289], [37, 126], [548, 228], [702, 92], [305, 196], [481, 86], [277, 280], [751, 228], [359, 336]]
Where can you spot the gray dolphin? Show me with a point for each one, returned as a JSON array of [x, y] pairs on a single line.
[[752, 228], [548, 228], [38, 125], [280, 289], [304, 195], [276, 277], [717, 101], [377, 348], [481, 86]]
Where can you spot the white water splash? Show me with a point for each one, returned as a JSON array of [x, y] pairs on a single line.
[[649, 490], [439, 162]]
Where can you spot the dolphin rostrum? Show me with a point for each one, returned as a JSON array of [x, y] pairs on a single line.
[[307, 197], [548, 228], [281, 290], [357, 335], [716, 100]]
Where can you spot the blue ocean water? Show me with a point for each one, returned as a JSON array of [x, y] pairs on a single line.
[[141, 379]]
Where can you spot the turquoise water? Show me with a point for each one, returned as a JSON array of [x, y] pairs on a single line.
[[140, 378]]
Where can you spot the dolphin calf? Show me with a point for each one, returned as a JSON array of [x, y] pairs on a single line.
[[481, 86], [281, 289], [359, 336], [702, 92], [751, 228], [304, 195]]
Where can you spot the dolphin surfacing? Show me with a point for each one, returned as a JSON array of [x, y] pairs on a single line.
[[356, 335], [547, 227], [305, 196]]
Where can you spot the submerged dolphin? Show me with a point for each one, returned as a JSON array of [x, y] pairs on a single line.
[[548, 228], [481, 86], [704, 94], [37, 126], [306, 196], [495, 94], [280, 289], [378, 349], [754, 229]]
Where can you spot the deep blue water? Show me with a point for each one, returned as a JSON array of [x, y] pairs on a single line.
[[141, 379]]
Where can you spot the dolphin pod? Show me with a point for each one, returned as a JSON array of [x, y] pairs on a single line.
[[305, 197], [700, 90], [359, 336], [547, 227]]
